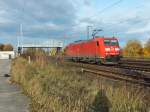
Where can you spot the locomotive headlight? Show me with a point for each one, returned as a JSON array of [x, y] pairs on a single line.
[[117, 49], [107, 49]]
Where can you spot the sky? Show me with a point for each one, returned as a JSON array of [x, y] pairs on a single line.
[[67, 20]]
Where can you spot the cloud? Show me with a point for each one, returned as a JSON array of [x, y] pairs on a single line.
[[126, 24], [36, 16], [43, 19], [48, 26], [144, 29]]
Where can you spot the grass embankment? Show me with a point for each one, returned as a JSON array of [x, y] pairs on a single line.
[[58, 89]]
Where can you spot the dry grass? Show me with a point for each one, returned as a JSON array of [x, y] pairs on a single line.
[[62, 89]]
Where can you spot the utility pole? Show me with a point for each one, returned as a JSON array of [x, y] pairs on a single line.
[[88, 32], [18, 41], [21, 33], [21, 26], [21, 37]]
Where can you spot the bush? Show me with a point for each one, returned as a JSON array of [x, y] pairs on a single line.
[[54, 88]]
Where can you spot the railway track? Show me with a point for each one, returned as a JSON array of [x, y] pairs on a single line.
[[135, 64], [114, 73], [113, 76], [136, 61], [139, 68], [137, 74], [145, 60]]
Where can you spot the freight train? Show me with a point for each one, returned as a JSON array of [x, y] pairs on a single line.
[[100, 50]]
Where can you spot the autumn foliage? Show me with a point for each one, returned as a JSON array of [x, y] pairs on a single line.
[[6, 47], [146, 49], [134, 48]]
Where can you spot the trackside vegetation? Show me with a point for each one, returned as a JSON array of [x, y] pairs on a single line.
[[54, 88], [135, 48]]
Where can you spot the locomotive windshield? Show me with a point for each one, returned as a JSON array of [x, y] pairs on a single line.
[[109, 42], [114, 42]]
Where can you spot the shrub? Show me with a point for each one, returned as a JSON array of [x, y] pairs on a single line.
[[54, 88]]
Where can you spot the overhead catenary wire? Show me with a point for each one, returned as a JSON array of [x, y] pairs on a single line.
[[120, 22], [110, 6], [107, 8], [124, 21]]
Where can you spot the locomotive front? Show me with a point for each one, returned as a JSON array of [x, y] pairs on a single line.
[[112, 52]]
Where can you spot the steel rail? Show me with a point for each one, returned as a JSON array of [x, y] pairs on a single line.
[[113, 73], [134, 67], [115, 77]]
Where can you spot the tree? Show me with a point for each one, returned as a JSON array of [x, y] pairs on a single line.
[[8, 47], [1, 47], [133, 48], [147, 49]]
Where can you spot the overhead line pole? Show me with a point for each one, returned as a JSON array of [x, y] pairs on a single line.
[[21, 27], [88, 32]]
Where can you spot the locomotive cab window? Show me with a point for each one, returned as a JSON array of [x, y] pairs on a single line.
[[107, 42], [114, 42], [97, 43]]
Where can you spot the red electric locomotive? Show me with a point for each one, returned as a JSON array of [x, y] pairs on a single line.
[[99, 50]]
